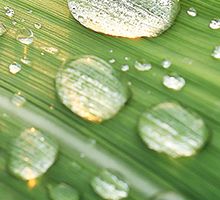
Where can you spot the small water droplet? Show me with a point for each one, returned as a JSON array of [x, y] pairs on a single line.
[[25, 60], [142, 65], [171, 129], [29, 11], [109, 186], [192, 12], [14, 68], [126, 18], [111, 51], [18, 100], [216, 52], [25, 36], [62, 191], [215, 24], [174, 82], [9, 11], [127, 58], [166, 64], [2, 29], [125, 68], [90, 87], [14, 22], [112, 61], [38, 25], [30, 157], [50, 50]]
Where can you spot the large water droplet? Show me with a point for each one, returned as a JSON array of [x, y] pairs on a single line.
[[25, 36], [126, 18], [2, 29], [171, 129], [63, 191], [32, 153], [90, 88], [109, 186]]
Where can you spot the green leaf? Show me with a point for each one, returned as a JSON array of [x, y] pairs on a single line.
[[188, 44]]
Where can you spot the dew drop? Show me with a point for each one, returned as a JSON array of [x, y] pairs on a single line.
[[32, 154], [142, 66], [126, 18], [63, 191], [9, 12], [38, 25], [18, 100], [89, 87], [112, 61], [216, 52], [14, 22], [166, 64], [14, 68], [25, 36], [174, 82], [29, 11], [25, 60], [50, 50], [192, 12], [125, 68], [215, 24], [109, 186], [2, 29], [171, 129]]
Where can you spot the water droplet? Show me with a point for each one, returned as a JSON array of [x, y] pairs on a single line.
[[2, 29], [112, 61], [18, 100], [25, 36], [25, 60], [89, 86], [30, 155], [9, 12], [109, 186], [29, 11], [166, 64], [63, 191], [127, 58], [216, 52], [125, 68], [126, 18], [14, 68], [171, 129], [38, 25], [192, 12], [50, 50], [142, 65], [111, 51], [169, 196], [174, 82], [215, 24], [14, 22]]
